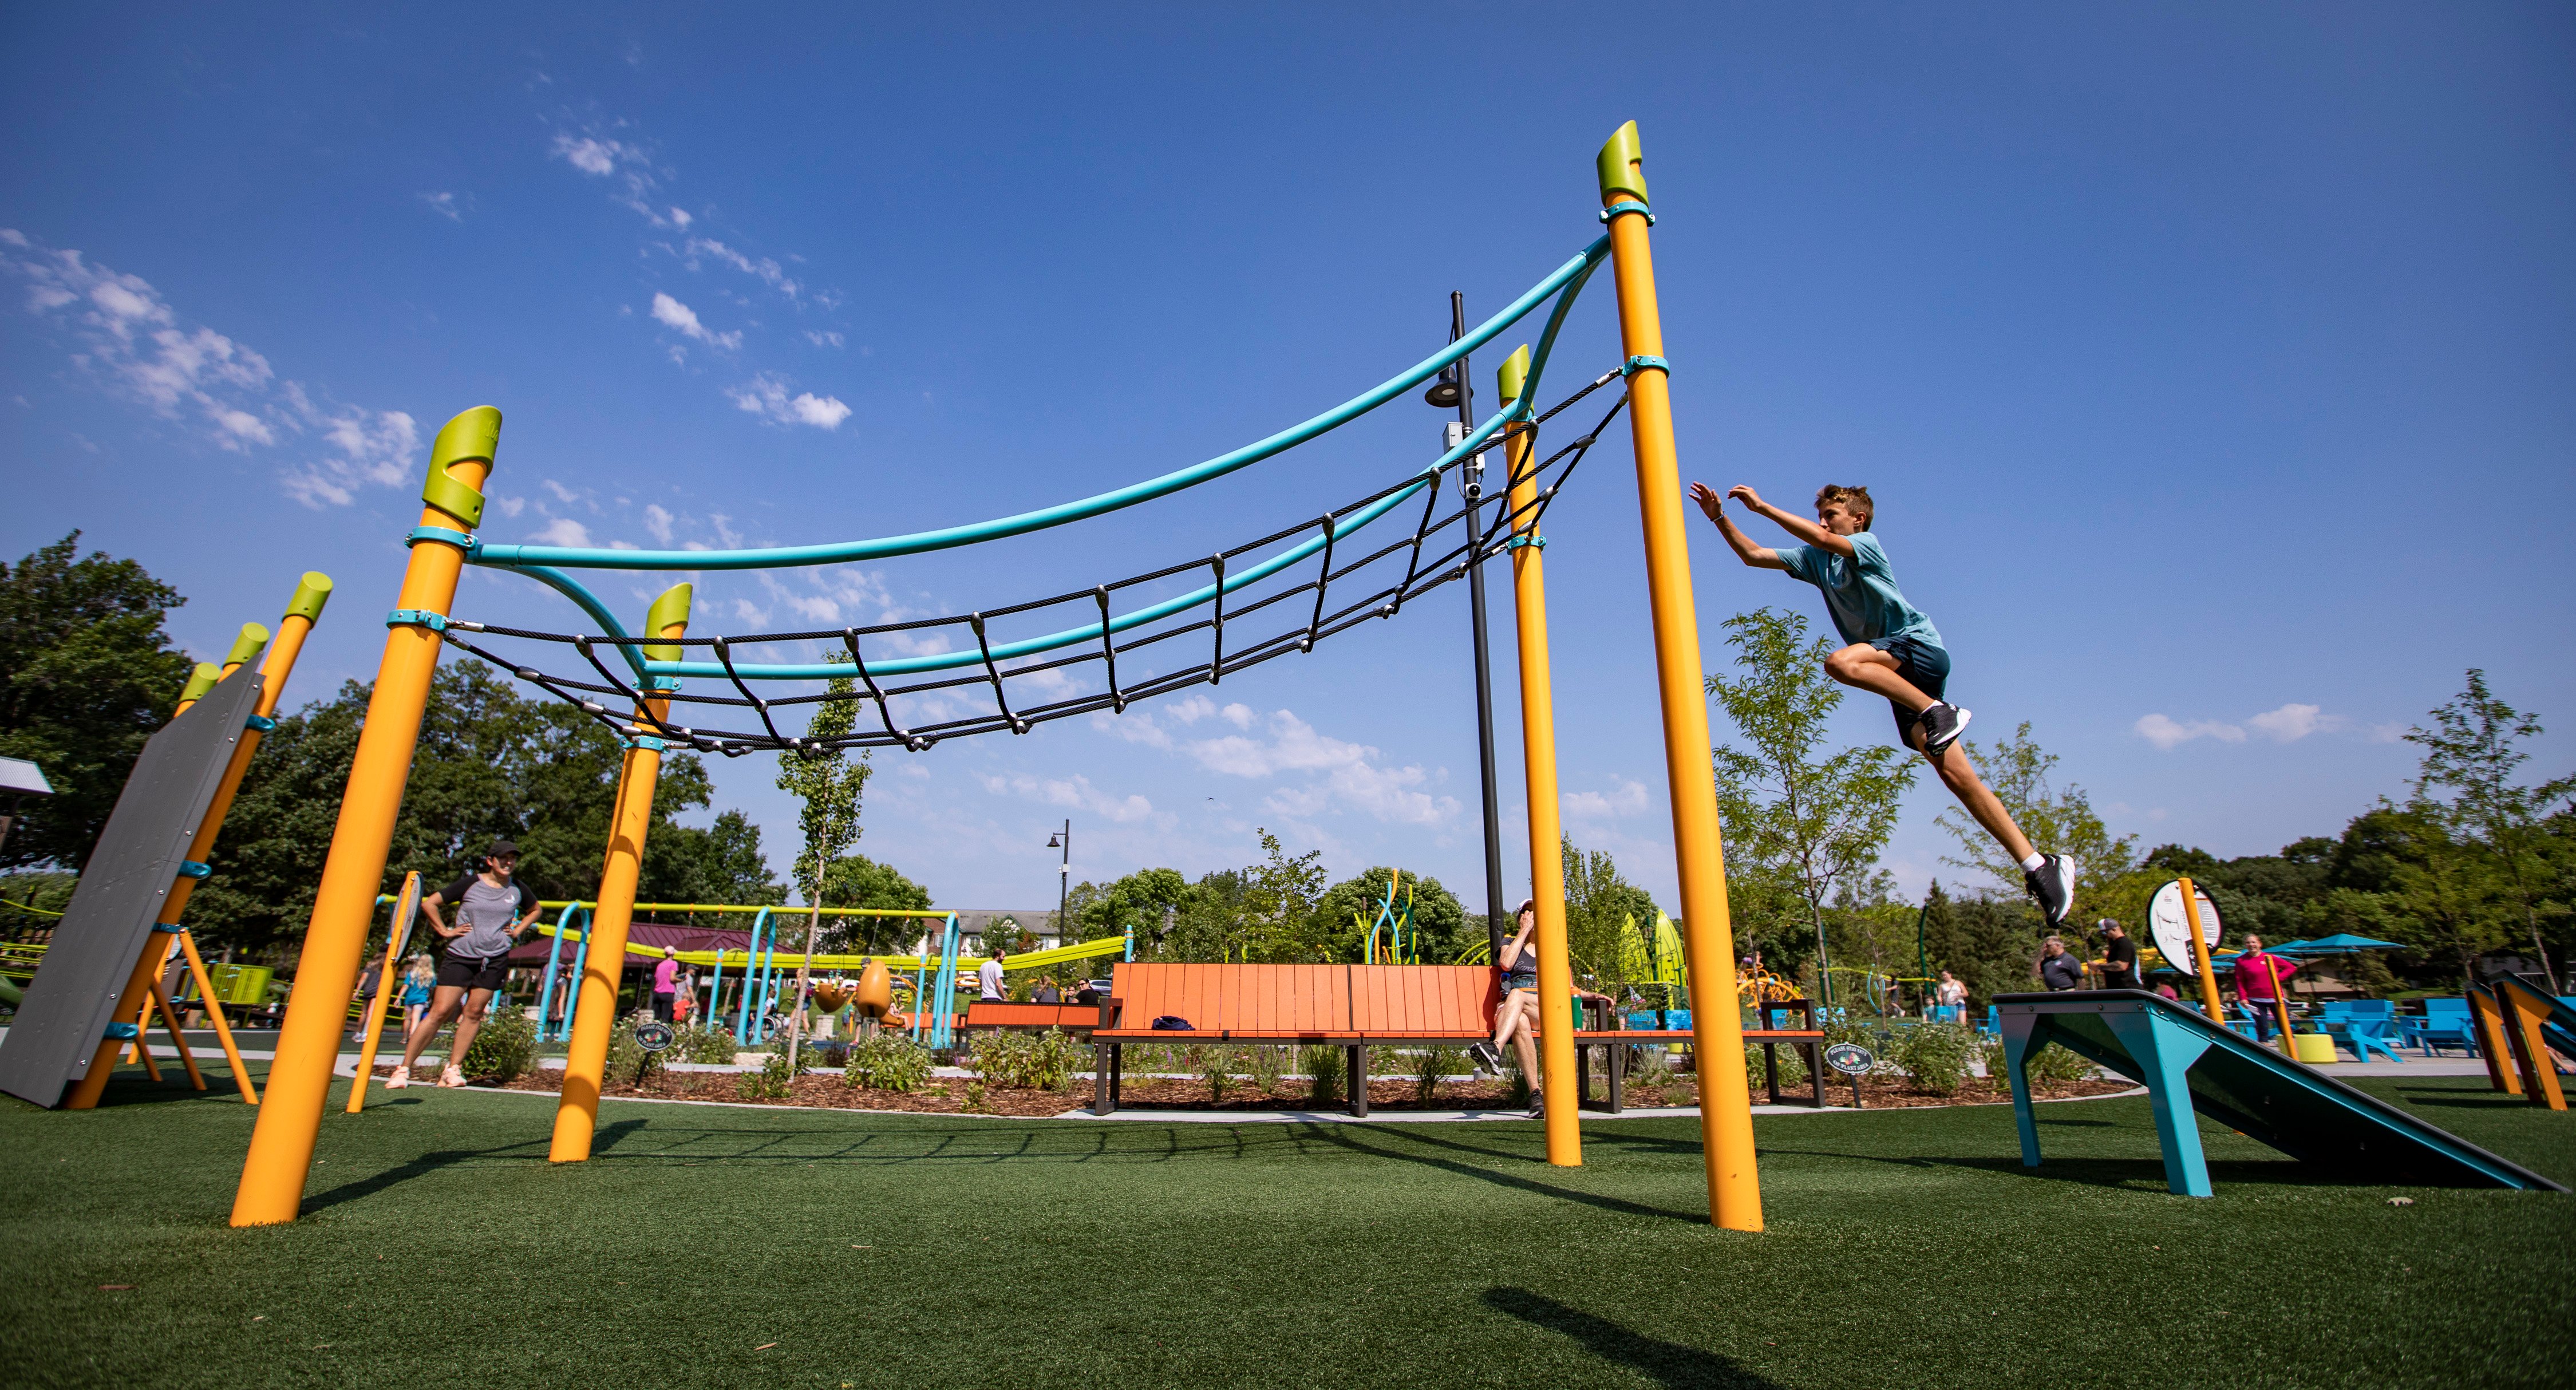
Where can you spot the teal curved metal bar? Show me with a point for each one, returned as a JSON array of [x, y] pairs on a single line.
[[575, 557]]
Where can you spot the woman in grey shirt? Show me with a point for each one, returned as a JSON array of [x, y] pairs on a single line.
[[492, 912]]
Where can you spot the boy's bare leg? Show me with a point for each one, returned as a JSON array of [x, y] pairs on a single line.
[[1867, 668]]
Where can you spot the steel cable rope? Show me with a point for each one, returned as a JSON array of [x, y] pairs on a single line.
[[983, 665]]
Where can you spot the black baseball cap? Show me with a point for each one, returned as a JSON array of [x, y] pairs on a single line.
[[501, 849]]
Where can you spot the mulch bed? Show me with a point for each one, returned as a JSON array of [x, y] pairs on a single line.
[[947, 1095]]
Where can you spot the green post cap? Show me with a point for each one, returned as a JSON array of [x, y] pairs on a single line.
[[253, 637], [476, 434], [200, 681], [313, 591], [672, 608], [1514, 373], [1622, 165]]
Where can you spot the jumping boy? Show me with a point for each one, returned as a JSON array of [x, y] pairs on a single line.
[[1890, 650]]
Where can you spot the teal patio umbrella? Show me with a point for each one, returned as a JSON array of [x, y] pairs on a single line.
[[2339, 944]]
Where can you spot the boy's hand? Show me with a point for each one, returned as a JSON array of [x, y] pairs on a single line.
[[1710, 504], [1744, 493]]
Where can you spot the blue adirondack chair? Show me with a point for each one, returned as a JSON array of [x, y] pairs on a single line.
[[2364, 1025], [2444, 1023]]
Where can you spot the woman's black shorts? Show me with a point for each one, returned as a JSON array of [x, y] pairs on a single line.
[[1925, 667], [473, 972]]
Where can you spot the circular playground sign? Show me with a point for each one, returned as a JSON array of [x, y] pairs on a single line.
[[1851, 1059], [2172, 933], [653, 1037]]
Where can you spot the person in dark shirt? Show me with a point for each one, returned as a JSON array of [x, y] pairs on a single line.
[[2058, 967], [2119, 962]]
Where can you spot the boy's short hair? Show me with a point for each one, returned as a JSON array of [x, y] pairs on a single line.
[[1855, 499]]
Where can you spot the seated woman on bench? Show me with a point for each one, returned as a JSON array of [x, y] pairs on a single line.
[[1516, 1017]]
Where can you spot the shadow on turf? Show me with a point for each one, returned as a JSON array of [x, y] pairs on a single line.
[[1347, 1136], [1670, 1363], [447, 1158]]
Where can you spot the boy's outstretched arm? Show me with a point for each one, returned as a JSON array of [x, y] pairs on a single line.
[[1807, 531], [1760, 557]]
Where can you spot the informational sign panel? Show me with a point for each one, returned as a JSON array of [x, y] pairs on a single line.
[[2172, 933], [104, 930], [1851, 1059]]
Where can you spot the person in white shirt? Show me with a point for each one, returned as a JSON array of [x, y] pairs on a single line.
[[989, 976]]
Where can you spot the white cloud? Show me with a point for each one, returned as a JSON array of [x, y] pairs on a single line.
[[766, 395], [1625, 799], [444, 204], [765, 270], [824, 338], [671, 313], [2288, 724], [657, 522], [1074, 793], [563, 530], [681, 219], [592, 155], [132, 340], [1349, 776], [507, 506]]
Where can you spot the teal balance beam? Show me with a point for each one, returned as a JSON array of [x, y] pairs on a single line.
[[2189, 1064]]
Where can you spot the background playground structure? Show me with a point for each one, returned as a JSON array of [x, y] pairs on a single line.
[[652, 711]]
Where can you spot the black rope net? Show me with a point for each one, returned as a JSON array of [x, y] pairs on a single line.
[[1281, 613]]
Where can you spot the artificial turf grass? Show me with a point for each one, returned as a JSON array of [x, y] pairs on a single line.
[[1904, 1247]]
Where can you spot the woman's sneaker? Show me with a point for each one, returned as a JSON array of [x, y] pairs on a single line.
[[400, 1079], [1941, 725], [2053, 884], [451, 1077], [1486, 1057]]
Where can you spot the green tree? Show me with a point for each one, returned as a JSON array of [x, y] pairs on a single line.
[[1788, 814], [2423, 886], [1991, 944], [1148, 900], [1599, 906], [1209, 922], [489, 764], [2471, 755], [829, 782], [1346, 910], [2057, 821], [855, 880], [86, 677], [1278, 915]]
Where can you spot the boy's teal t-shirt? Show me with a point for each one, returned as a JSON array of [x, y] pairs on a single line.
[[1860, 592]]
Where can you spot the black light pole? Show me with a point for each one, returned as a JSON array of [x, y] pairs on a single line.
[[1456, 388], [1063, 878]]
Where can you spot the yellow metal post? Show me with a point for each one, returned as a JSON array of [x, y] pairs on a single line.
[[2525, 1010], [310, 594], [2200, 958], [200, 680], [344, 903], [406, 904], [2503, 1068], [215, 1014], [1708, 938], [170, 1024], [577, 1113], [1538, 762]]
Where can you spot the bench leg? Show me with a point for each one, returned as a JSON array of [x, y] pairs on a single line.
[[1100, 1101], [1359, 1080], [1618, 1070], [1771, 1069], [1815, 1071]]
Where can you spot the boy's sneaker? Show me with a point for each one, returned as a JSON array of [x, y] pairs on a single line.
[[400, 1079], [2053, 884], [451, 1077], [1538, 1106], [1486, 1057], [1941, 725]]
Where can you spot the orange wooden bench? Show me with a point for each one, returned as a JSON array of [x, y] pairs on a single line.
[[993, 1013], [1807, 1038], [1352, 1006]]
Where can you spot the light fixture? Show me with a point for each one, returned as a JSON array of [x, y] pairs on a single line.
[[1444, 392], [1055, 842]]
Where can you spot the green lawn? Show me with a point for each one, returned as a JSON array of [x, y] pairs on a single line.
[[1906, 1248]]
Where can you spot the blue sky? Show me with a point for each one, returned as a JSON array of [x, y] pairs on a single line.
[[2211, 366]]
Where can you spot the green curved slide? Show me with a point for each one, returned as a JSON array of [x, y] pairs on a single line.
[[2188, 1064]]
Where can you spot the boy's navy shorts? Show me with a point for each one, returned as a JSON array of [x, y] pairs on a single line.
[[1925, 667]]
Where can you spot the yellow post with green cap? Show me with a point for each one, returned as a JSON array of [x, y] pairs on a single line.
[[1708, 938], [200, 680], [344, 904], [301, 611], [586, 1061], [1538, 763]]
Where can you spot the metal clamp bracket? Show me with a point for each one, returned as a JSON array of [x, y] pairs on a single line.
[[190, 868], [459, 539], [1635, 365], [124, 1032], [1516, 542], [1628, 205], [645, 741], [260, 722], [416, 617]]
